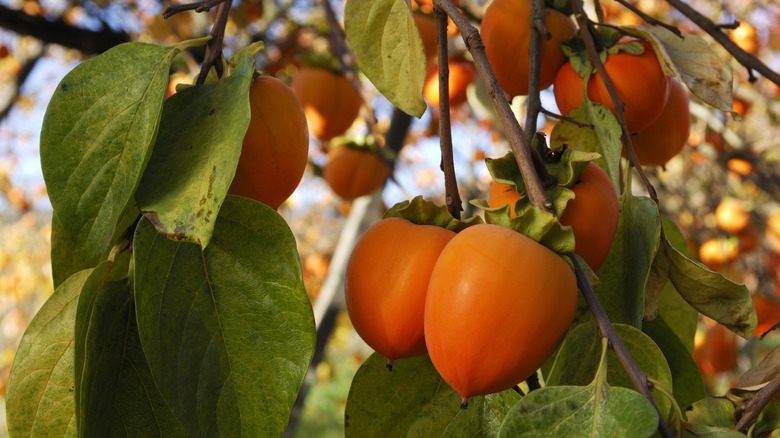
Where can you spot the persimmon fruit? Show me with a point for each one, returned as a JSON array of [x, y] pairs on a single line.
[[506, 34], [714, 253], [462, 72], [498, 304], [275, 148], [592, 214], [731, 215], [354, 172], [329, 100], [387, 282], [715, 351], [665, 138], [427, 28], [767, 313], [638, 80]]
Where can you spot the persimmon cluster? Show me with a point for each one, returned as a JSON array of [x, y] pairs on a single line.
[[488, 304]]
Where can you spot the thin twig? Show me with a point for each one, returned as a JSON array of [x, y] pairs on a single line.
[[648, 19], [566, 119], [214, 49], [338, 44], [593, 55], [748, 412], [535, 67], [195, 6], [638, 377], [746, 59], [452, 196], [521, 148]]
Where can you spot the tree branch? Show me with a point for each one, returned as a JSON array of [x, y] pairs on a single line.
[[638, 377], [59, 32], [748, 412], [746, 59], [521, 148], [650, 20]]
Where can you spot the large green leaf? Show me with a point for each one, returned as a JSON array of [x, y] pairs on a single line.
[[196, 154], [228, 330], [115, 392], [39, 397], [413, 400], [676, 312], [688, 384], [578, 360], [389, 50], [97, 136], [624, 274], [596, 410]]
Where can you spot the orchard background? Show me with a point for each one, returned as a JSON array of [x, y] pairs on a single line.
[[724, 160]]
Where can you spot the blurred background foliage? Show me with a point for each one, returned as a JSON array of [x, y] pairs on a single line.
[[723, 190]]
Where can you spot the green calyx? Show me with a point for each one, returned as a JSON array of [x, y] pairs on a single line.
[[422, 212], [565, 166]]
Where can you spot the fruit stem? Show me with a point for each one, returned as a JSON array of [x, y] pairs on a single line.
[[465, 403], [639, 378], [593, 55], [746, 59], [452, 196], [521, 147]]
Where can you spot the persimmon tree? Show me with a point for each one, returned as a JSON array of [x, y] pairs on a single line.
[[180, 310]]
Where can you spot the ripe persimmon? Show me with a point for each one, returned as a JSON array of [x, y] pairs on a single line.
[[731, 215], [506, 33], [767, 313], [715, 351], [354, 172], [638, 80], [592, 214], [714, 253], [427, 28], [329, 100], [665, 138], [462, 72], [387, 281], [498, 304], [275, 147]]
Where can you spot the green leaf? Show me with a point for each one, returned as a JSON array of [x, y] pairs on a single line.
[[711, 293], [97, 136], [196, 155], [601, 134], [768, 420], [688, 384], [627, 267], [68, 256], [578, 360], [39, 397], [718, 412], [692, 60], [389, 50], [228, 330], [676, 312], [115, 392], [595, 410], [413, 400]]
